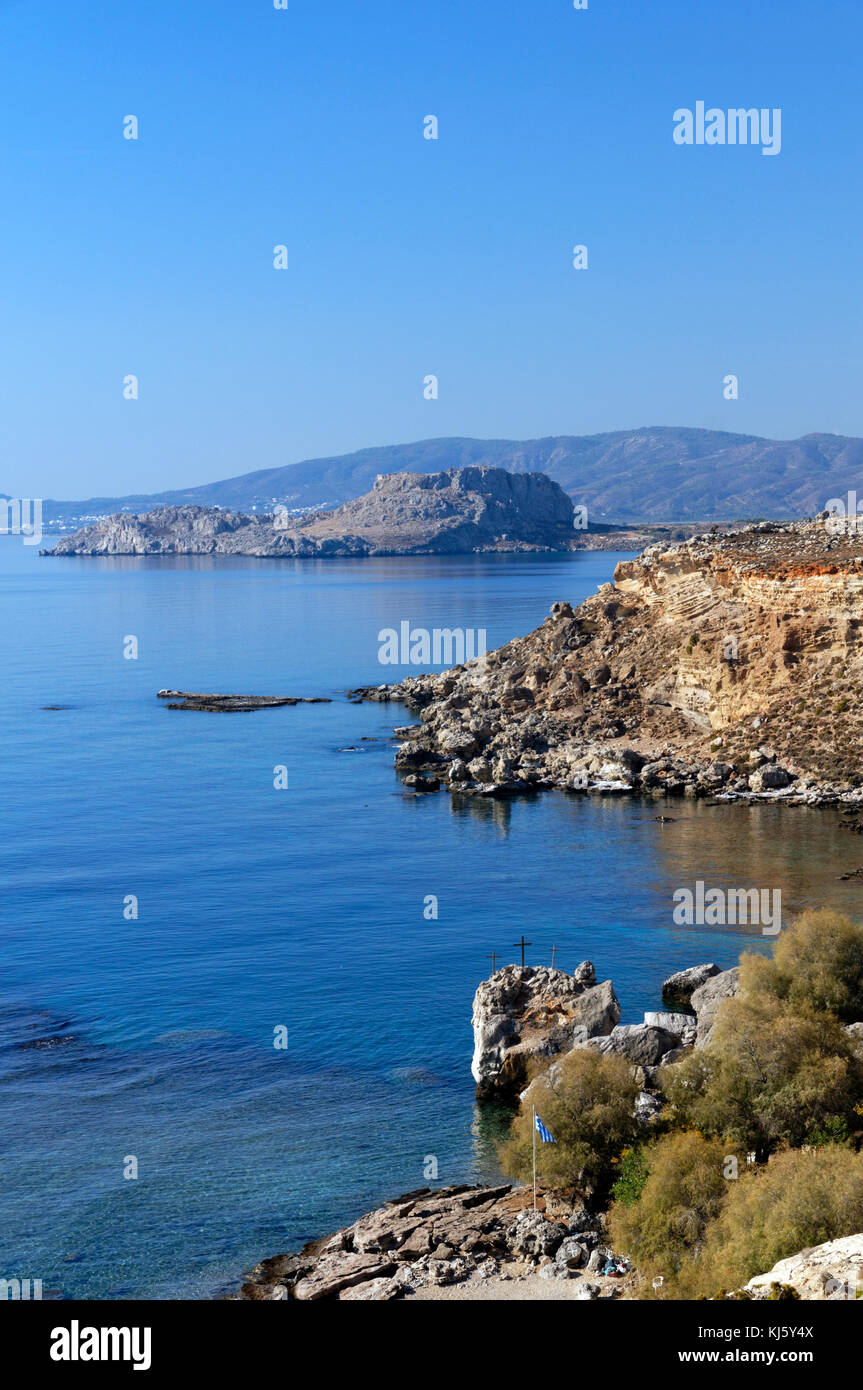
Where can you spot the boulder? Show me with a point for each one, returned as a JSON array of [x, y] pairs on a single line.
[[533, 1234], [831, 1271], [679, 988], [585, 1292], [585, 974], [571, 1253], [771, 777], [598, 1010], [682, 1025], [707, 1000], [457, 743], [642, 1045]]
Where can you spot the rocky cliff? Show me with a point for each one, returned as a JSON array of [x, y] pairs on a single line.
[[454, 512], [728, 665]]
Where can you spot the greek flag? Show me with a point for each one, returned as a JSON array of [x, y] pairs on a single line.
[[544, 1134]]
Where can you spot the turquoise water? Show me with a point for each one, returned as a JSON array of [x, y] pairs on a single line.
[[303, 908]]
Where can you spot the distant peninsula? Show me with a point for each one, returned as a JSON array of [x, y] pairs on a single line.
[[458, 511]]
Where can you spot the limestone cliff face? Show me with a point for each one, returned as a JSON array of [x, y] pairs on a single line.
[[729, 664], [759, 613], [454, 512]]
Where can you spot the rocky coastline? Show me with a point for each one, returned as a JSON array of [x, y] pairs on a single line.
[[727, 667], [492, 1243], [489, 1241]]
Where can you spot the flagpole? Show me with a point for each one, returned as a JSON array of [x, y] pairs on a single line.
[[533, 1109]]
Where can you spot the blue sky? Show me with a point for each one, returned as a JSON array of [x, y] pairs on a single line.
[[407, 256]]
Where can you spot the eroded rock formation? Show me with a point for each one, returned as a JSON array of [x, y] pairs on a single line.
[[525, 1013], [831, 1271]]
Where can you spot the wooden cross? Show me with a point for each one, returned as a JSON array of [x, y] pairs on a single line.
[[522, 944], [492, 958], [553, 950]]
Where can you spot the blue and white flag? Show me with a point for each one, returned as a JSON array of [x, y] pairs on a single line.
[[544, 1134]]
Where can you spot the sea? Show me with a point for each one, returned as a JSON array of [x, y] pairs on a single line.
[[230, 1018]]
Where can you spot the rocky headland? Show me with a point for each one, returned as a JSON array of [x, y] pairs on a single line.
[[459, 511], [730, 666], [464, 1242], [524, 1016], [489, 1241]]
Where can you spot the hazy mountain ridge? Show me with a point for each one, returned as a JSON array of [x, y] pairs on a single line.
[[656, 474]]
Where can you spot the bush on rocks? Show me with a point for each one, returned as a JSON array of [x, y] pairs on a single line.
[[683, 1192], [587, 1101], [773, 1073]]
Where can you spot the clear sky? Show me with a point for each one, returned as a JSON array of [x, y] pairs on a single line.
[[407, 256]]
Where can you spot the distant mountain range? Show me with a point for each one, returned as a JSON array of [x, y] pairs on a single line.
[[661, 474]]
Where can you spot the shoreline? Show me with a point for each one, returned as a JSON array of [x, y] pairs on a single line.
[[694, 779]]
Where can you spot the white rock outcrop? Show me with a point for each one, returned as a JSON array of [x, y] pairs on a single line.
[[830, 1271]]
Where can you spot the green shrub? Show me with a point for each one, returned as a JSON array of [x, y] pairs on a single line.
[[664, 1228], [776, 1072], [798, 1200], [586, 1100], [631, 1176], [819, 961]]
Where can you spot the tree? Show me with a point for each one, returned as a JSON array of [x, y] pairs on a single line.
[[587, 1100], [819, 961], [798, 1200]]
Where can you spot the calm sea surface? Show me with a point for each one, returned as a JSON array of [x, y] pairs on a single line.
[[303, 909]]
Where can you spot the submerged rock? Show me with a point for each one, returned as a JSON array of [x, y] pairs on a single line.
[[227, 704]]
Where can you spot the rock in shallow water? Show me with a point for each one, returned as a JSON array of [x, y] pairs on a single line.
[[524, 1012]]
